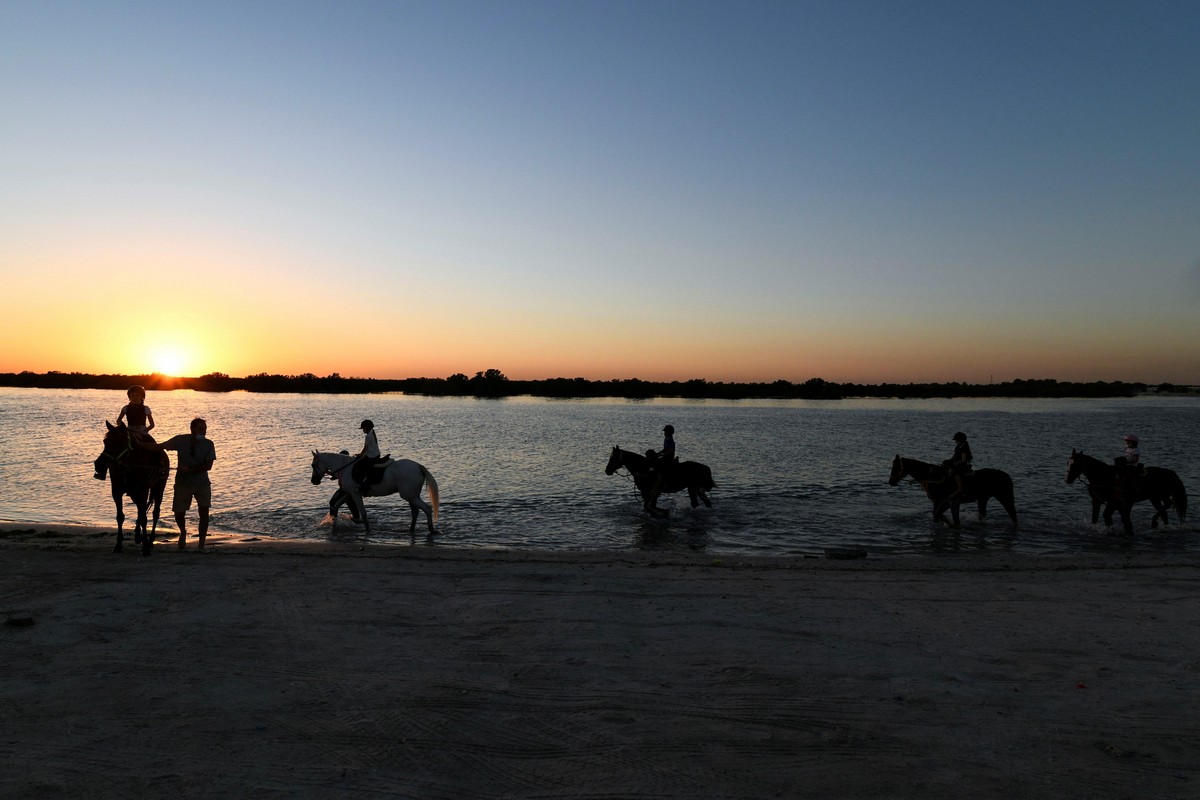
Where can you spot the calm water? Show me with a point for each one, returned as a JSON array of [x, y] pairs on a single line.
[[794, 477]]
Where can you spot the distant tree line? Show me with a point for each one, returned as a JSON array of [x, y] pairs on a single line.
[[494, 383]]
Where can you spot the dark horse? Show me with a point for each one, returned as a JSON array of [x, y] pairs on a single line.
[[1117, 490], [690, 475], [139, 473], [978, 487]]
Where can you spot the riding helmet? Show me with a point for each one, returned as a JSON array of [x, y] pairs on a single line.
[[959, 437], [366, 425], [1131, 437], [669, 429]]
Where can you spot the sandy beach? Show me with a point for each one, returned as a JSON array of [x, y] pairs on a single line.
[[266, 669]]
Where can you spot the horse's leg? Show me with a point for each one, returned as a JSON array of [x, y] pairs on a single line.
[[356, 499], [692, 496], [1010, 505], [428, 509], [335, 502], [143, 520], [1160, 510], [1096, 512], [981, 504], [1126, 518], [120, 520], [156, 495], [940, 504]]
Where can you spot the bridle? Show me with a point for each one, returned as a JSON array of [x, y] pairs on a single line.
[[629, 476], [119, 459], [333, 473]]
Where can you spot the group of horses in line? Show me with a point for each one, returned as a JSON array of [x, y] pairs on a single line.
[[141, 475], [1113, 489]]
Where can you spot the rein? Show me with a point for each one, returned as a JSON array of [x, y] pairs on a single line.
[[128, 449], [333, 473], [121, 459], [629, 476]]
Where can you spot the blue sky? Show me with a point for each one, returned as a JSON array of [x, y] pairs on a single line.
[[859, 191]]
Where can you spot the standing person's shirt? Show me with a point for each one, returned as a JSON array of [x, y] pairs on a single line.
[[668, 450], [371, 445], [192, 453]]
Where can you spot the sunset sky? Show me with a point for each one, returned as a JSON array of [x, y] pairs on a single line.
[[737, 191]]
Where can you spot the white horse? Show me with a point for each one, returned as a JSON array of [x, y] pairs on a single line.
[[403, 476]]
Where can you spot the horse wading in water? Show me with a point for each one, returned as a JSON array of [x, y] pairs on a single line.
[[1108, 488], [690, 475], [402, 476], [978, 487], [140, 475]]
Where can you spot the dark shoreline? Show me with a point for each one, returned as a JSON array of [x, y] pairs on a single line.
[[493, 384]]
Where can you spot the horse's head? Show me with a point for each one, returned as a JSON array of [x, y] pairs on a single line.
[[897, 473], [318, 470], [116, 438], [1074, 465], [614, 461]]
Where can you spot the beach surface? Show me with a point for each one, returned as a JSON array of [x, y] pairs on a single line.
[[273, 669]]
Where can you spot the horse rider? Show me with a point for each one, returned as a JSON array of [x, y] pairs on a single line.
[[1129, 465], [138, 419], [958, 466], [663, 461], [370, 467], [1132, 454]]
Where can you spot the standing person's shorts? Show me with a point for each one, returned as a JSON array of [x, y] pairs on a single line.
[[184, 495]]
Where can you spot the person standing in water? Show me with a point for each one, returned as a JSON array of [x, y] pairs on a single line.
[[196, 454]]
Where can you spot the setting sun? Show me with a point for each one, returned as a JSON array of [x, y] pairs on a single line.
[[172, 360]]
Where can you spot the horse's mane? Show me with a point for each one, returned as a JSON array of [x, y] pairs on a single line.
[[1079, 454]]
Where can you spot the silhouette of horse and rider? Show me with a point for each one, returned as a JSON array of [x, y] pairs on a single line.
[[658, 473], [1118, 486], [137, 472], [369, 474], [953, 482]]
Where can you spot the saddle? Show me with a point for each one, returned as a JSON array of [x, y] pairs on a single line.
[[368, 471]]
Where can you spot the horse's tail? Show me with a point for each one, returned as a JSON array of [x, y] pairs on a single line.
[[433, 492], [1179, 498], [709, 479]]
